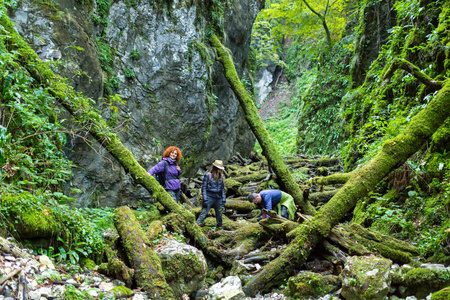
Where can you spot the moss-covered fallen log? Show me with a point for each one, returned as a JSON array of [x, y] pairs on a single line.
[[321, 197], [233, 187], [13, 249], [393, 153], [278, 227], [237, 171], [148, 272], [385, 239], [117, 269], [240, 205], [231, 245], [255, 123], [254, 176], [337, 178], [320, 162]]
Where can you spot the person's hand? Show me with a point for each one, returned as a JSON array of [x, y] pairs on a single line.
[[178, 168]]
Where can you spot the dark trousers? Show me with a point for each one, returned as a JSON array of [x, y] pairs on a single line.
[[212, 201], [284, 212], [175, 194]]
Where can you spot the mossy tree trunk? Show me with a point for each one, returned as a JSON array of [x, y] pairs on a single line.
[[393, 153], [148, 272], [79, 107], [255, 123]]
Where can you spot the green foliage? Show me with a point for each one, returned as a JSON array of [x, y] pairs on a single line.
[[129, 73], [378, 111], [319, 91], [169, 235], [282, 128], [416, 210], [299, 19], [135, 54], [72, 293], [31, 133], [34, 167], [100, 16], [11, 3], [106, 57]]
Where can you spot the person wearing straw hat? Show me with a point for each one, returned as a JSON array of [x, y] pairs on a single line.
[[213, 193]]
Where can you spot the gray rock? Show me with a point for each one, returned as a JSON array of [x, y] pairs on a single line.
[[366, 277], [239, 268], [433, 266], [229, 288], [184, 266]]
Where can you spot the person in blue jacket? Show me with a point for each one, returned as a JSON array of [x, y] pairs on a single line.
[[213, 193], [276, 200], [171, 156]]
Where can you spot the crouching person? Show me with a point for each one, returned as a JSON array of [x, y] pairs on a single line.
[[213, 193], [276, 200]]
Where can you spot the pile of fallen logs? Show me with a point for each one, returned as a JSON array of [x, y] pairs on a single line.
[[247, 238]]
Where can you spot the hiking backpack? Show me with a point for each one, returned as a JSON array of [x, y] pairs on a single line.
[[161, 176]]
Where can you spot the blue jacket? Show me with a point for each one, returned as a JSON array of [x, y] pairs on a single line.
[[171, 184], [270, 198], [213, 189]]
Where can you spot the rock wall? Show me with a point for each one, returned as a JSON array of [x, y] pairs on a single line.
[[377, 20], [156, 57]]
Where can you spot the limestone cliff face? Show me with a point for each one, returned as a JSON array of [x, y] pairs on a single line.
[[157, 58]]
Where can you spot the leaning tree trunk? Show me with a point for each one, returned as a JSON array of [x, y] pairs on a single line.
[[393, 153], [78, 106], [148, 272], [255, 123]]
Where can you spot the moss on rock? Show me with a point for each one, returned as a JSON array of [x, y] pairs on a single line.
[[310, 284], [443, 294]]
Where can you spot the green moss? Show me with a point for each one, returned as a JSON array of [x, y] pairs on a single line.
[[443, 294], [121, 292], [88, 264], [421, 281], [309, 284]]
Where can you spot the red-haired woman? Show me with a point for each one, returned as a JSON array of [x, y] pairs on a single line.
[[172, 184]]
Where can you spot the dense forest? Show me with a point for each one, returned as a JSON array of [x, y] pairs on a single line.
[[341, 104]]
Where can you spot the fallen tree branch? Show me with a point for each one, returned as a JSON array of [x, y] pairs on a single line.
[[9, 247], [400, 63], [10, 275]]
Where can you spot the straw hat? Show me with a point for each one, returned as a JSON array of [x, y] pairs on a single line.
[[218, 164]]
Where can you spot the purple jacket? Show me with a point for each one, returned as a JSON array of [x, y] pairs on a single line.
[[172, 184]]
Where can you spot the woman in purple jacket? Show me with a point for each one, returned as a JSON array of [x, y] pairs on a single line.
[[171, 157]]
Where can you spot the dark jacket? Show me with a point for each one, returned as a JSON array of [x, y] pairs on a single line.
[[212, 190], [171, 184]]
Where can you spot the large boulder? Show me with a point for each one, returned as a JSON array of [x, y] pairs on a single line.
[[156, 56], [184, 266], [366, 277]]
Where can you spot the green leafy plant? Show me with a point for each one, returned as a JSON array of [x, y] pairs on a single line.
[[129, 73], [135, 54]]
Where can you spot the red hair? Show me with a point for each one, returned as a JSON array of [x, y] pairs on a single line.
[[171, 149]]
